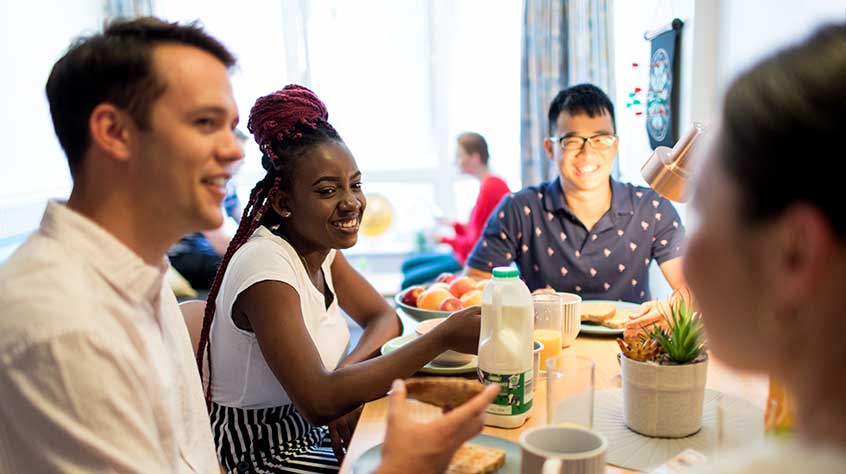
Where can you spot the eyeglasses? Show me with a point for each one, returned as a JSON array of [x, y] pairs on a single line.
[[575, 143]]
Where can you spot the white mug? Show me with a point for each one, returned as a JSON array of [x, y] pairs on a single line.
[[571, 324], [562, 449]]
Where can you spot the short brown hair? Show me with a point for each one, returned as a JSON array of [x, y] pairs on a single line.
[[115, 66], [474, 143]]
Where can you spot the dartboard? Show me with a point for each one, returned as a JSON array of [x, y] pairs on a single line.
[[658, 114]]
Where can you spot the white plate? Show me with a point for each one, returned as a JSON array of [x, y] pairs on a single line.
[[430, 368], [369, 461], [597, 330]]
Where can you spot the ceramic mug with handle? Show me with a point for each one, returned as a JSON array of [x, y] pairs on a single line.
[[562, 449]]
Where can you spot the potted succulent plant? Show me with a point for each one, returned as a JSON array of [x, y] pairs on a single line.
[[663, 375]]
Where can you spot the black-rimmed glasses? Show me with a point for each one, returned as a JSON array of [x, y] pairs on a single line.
[[602, 141]]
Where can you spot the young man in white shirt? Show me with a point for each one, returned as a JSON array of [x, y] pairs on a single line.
[[96, 368]]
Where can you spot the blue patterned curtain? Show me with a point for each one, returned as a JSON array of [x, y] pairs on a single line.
[[128, 8], [565, 42], [589, 37], [543, 74]]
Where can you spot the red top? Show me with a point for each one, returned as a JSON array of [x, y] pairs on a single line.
[[491, 192]]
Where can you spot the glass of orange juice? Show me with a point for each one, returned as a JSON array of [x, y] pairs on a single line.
[[778, 420], [549, 315]]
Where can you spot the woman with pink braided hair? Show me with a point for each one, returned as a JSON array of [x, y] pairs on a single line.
[[273, 333]]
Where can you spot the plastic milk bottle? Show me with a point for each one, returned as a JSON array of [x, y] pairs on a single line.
[[505, 347]]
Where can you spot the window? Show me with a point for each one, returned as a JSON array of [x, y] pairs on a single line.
[[401, 79]]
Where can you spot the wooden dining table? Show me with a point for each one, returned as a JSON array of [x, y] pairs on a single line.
[[603, 351]]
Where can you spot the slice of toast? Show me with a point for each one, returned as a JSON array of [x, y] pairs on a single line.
[[597, 312], [444, 392], [619, 320], [476, 459]]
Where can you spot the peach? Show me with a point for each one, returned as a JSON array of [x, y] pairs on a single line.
[[431, 299], [451, 304], [445, 277], [481, 284], [410, 295], [439, 284], [472, 298], [462, 285]]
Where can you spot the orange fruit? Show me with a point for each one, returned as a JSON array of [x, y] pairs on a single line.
[[472, 298], [432, 298], [462, 285]]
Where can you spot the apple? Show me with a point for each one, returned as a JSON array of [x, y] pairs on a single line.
[[410, 295], [445, 277], [462, 285], [451, 304]]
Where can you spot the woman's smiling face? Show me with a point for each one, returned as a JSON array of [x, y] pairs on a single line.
[[325, 200]]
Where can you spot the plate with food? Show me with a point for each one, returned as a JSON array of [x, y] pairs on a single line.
[[605, 318], [482, 454], [448, 294], [432, 367]]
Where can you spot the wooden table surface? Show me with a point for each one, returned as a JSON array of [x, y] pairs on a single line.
[[603, 351]]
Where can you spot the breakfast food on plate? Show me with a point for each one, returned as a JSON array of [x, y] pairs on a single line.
[[476, 459], [444, 392], [597, 313], [619, 320]]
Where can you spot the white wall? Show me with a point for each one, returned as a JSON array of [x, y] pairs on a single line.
[[33, 35], [720, 39], [753, 29]]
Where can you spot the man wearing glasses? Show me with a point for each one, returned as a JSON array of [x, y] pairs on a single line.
[[583, 232]]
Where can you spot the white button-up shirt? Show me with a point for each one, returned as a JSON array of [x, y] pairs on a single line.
[[97, 372]]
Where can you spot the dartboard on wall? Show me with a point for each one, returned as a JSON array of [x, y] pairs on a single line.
[[658, 112], [662, 97]]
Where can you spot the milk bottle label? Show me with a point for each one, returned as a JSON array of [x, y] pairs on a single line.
[[515, 392]]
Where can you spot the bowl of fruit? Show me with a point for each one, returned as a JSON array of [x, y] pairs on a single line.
[[448, 294]]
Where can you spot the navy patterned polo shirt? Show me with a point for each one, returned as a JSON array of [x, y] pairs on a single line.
[[552, 248]]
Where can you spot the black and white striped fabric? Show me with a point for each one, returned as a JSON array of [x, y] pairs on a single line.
[[270, 440]]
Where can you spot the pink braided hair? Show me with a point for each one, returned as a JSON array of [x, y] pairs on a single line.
[[276, 120]]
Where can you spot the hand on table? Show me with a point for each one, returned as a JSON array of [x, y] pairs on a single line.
[[427, 448], [461, 330], [644, 319], [341, 431]]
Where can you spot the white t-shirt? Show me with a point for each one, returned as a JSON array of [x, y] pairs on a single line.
[[241, 376]]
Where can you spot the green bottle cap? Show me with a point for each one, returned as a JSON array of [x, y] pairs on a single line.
[[505, 272]]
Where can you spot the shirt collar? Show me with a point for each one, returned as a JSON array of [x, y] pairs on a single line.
[[621, 197], [120, 266]]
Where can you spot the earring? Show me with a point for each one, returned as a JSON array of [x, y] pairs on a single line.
[[286, 213]]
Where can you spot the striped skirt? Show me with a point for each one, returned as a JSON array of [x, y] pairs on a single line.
[[270, 440]]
